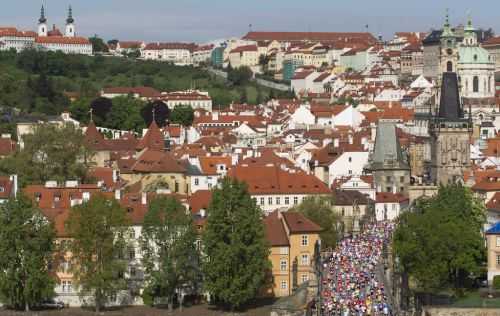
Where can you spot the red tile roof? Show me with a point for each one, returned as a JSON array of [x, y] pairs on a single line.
[[209, 164], [62, 40], [153, 139], [154, 161], [272, 179], [199, 200], [160, 46], [298, 223], [389, 197], [274, 230], [311, 36], [245, 48]]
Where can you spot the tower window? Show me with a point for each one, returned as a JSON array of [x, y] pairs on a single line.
[[449, 66], [475, 84], [475, 57]]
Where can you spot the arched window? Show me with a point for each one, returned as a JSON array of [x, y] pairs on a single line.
[[449, 66], [475, 84], [475, 57]]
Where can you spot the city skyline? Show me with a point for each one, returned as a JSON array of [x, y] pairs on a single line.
[[197, 21]]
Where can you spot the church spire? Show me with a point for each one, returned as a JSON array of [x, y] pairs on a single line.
[[42, 16], [70, 19], [447, 32]]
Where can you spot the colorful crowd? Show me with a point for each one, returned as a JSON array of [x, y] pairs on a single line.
[[351, 285]]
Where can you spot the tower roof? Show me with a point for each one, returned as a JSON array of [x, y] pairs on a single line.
[[387, 153], [70, 19], [42, 18], [447, 31], [449, 105]]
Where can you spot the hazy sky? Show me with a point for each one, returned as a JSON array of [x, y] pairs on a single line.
[[205, 20]]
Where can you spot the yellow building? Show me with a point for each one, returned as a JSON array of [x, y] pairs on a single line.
[[293, 239]]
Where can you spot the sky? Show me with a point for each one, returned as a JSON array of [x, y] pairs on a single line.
[[204, 20]]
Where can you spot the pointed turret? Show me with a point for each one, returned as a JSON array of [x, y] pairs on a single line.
[[70, 19], [470, 36], [447, 31], [153, 139], [42, 18]]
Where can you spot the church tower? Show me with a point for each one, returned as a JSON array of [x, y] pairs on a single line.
[[450, 132], [70, 26], [42, 23], [449, 51]]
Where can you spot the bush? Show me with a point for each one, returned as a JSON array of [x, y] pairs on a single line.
[[496, 282]]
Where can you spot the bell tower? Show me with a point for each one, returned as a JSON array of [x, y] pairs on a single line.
[[449, 50], [42, 23], [70, 24], [450, 132]]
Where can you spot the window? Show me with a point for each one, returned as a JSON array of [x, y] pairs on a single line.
[[133, 271], [284, 285], [67, 286], [196, 181], [270, 201], [475, 84], [283, 250], [304, 278], [498, 241], [305, 240], [262, 201], [304, 259], [498, 259], [402, 179], [350, 159], [350, 171], [388, 178], [388, 189], [131, 253], [295, 200], [449, 66], [278, 201], [287, 200], [283, 265]]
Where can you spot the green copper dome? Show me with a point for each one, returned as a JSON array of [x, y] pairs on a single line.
[[473, 55]]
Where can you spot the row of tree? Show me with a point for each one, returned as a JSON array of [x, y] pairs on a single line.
[[232, 265]]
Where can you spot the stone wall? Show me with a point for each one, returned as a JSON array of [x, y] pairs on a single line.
[[435, 311]]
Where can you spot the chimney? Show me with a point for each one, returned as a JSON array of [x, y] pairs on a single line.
[[215, 116], [336, 143], [118, 194], [144, 198], [13, 179], [116, 175], [86, 196]]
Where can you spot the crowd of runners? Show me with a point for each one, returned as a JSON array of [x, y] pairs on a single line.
[[351, 285]]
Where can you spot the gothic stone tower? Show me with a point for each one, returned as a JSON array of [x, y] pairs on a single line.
[[450, 132]]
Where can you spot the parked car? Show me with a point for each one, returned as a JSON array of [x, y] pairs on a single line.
[[51, 304]]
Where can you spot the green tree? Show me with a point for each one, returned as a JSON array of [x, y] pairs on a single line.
[[98, 44], [99, 228], [26, 245], [239, 76], [125, 114], [319, 210], [235, 246], [169, 252], [182, 114], [440, 245], [50, 153]]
